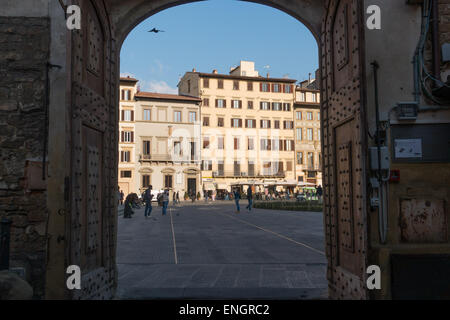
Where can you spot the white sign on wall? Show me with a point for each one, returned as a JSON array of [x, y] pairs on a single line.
[[179, 178], [408, 148]]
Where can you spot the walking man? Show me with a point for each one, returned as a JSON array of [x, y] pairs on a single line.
[[178, 197], [148, 201], [165, 201], [250, 198], [237, 197], [319, 192], [122, 195]]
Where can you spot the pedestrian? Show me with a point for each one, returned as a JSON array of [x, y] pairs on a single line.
[[148, 196], [165, 201], [319, 192], [178, 197], [174, 198], [237, 197], [250, 198], [122, 195], [128, 207], [205, 195]]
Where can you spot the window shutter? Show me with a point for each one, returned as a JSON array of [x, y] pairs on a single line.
[[240, 104], [132, 115], [121, 156], [292, 88], [260, 86], [260, 123], [123, 115], [224, 103], [292, 145], [268, 123], [240, 123], [268, 87], [231, 123], [217, 103], [122, 136], [284, 88], [132, 136]]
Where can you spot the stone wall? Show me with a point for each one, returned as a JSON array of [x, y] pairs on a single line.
[[24, 52]]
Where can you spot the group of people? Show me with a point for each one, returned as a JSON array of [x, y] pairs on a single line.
[[237, 198], [132, 202]]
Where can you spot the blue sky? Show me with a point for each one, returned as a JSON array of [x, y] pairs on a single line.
[[217, 34]]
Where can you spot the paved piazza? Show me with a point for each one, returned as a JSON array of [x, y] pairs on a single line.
[[201, 251]]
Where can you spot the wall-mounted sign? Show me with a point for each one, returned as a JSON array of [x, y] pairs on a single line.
[[408, 148]]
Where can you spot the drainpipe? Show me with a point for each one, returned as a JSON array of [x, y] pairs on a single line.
[[435, 42]]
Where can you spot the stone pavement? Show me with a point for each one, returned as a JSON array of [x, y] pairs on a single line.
[[210, 252]]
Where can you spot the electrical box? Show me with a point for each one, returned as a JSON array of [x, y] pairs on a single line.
[[407, 110], [385, 162]]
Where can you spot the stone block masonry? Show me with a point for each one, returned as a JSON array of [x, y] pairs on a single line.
[[24, 53]]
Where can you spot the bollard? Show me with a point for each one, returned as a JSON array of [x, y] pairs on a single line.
[[5, 234]]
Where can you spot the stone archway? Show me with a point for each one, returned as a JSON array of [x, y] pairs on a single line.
[[93, 122]]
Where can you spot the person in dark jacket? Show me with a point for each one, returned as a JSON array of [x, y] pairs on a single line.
[[237, 197], [128, 206], [250, 198], [148, 201]]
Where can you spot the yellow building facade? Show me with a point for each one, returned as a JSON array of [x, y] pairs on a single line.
[[308, 156], [247, 126]]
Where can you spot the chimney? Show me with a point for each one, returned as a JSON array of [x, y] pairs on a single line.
[[193, 70], [268, 75], [309, 78], [215, 71]]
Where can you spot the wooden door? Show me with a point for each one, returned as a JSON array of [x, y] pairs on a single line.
[[91, 226], [344, 141]]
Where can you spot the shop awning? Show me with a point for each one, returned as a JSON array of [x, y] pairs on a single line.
[[209, 186], [222, 186]]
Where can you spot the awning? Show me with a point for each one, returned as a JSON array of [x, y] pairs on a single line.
[[222, 186], [306, 184], [209, 186]]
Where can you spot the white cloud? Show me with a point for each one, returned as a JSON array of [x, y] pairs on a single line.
[[157, 86]]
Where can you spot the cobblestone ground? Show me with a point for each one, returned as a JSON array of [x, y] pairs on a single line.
[[207, 251]]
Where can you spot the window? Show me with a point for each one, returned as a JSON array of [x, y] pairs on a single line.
[[205, 83], [127, 136], [236, 143], [206, 102], [250, 105], [276, 106], [250, 123], [302, 96], [251, 168], [125, 156], [299, 134], [288, 88], [310, 159], [318, 134], [265, 106], [207, 165], [221, 103], [318, 116], [147, 114], [276, 145], [192, 116], [177, 148], [236, 123], [265, 87], [168, 179], [265, 144], [220, 122], [289, 145], [177, 116], [235, 85], [192, 145], [220, 143], [300, 178], [206, 121], [126, 95], [125, 174], [314, 97], [276, 87], [309, 116], [311, 174], [220, 167], [277, 124], [288, 124], [249, 86], [286, 107], [309, 134], [127, 115], [299, 157], [236, 104], [265, 124], [220, 84], [298, 115], [251, 143], [237, 168], [145, 181], [205, 142], [146, 148]]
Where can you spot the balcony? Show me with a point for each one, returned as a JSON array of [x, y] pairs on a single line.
[[234, 174], [311, 168], [164, 158]]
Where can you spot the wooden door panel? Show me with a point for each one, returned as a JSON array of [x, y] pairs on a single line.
[[343, 148]]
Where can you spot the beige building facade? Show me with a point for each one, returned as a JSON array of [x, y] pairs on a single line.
[[159, 141], [247, 126], [308, 156]]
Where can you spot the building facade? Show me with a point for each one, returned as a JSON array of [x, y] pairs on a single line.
[[308, 157], [247, 126], [159, 141]]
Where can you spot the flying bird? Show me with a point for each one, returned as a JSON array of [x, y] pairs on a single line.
[[155, 30]]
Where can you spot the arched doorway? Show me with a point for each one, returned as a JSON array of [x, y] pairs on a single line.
[[93, 122]]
